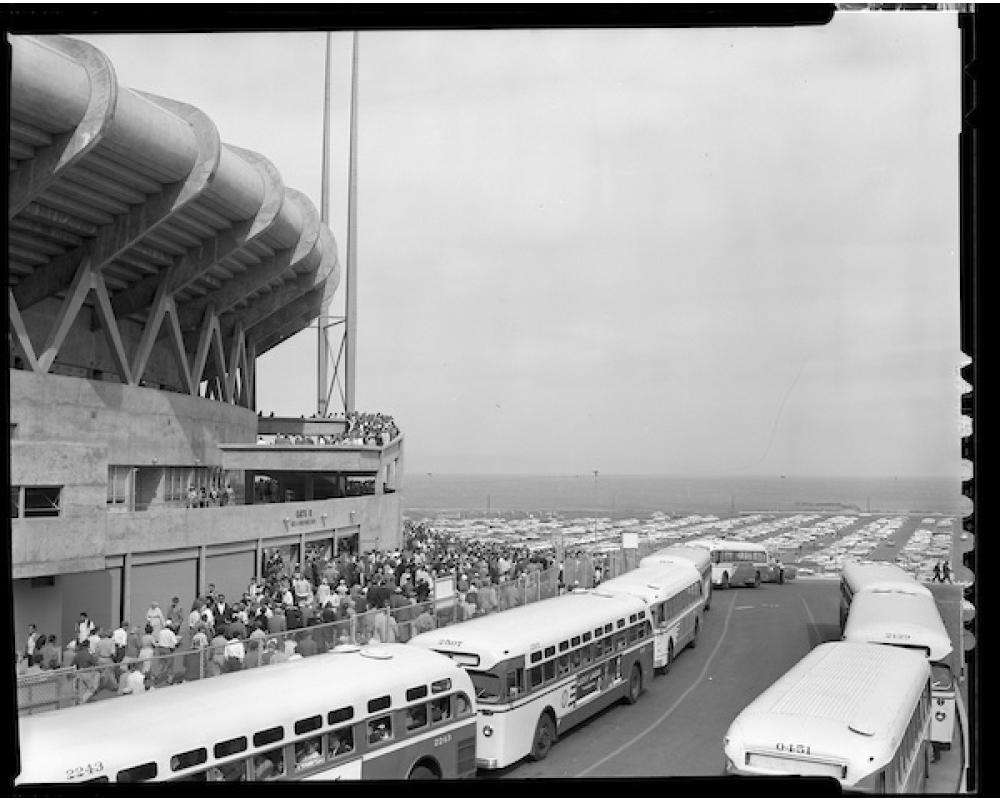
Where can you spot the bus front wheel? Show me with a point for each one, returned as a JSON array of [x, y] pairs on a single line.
[[635, 678], [545, 735]]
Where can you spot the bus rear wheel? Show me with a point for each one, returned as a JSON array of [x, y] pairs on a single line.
[[635, 678], [545, 735], [423, 773]]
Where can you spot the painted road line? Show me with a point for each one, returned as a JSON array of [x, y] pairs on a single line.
[[677, 702]]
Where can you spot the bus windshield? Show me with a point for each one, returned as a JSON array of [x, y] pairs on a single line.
[[488, 686]]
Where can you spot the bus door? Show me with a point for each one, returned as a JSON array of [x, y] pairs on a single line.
[[942, 706], [661, 635]]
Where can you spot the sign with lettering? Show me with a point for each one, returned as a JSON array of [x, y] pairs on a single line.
[[302, 518]]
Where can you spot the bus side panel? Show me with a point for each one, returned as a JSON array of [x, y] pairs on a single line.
[[351, 771], [395, 763]]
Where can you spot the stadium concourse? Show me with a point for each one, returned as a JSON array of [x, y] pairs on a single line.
[[150, 263], [295, 610]]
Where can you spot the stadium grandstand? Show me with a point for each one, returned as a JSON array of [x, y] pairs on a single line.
[[149, 265]]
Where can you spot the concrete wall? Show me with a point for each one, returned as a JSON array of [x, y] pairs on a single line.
[[135, 424], [50, 546]]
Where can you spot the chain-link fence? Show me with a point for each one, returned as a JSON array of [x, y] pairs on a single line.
[[51, 689]]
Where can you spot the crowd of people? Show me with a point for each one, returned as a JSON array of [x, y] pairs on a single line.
[[291, 611], [362, 428]]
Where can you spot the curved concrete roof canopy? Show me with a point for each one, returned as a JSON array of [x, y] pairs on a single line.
[[128, 206]]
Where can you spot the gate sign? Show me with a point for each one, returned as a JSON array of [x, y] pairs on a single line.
[[444, 589], [630, 540]]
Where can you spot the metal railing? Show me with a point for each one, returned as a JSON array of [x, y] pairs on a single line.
[[68, 686]]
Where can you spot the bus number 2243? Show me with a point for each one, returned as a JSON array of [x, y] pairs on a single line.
[[440, 740]]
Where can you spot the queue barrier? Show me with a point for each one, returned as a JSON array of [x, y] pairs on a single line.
[[46, 690]]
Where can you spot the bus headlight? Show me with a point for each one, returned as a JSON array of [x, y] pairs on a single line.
[[730, 766], [487, 731]]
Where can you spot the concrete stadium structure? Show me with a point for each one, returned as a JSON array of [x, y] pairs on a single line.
[[149, 265]]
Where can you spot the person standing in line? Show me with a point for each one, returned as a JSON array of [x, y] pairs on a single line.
[[155, 618], [29, 649], [946, 573], [84, 630], [937, 572], [120, 638]]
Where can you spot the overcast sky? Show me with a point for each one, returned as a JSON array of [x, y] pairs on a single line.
[[686, 251]]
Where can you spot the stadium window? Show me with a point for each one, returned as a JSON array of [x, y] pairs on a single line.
[[42, 501]]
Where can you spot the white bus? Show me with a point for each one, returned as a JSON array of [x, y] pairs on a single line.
[[859, 713], [698, 557], [539, 669], [911, 621], [386, 712], [880, 577], [673, 596], [737, 563]]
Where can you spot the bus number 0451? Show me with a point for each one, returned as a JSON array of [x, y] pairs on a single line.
[[802, 749], [440, 740]]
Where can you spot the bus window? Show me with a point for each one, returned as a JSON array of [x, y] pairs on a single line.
[[487, 686], [462, 704], [586, 652], [191, 758], [608, 645], [380, 730], [339, 742], [535, 677], [620, 641], [269, 766], [633, 633], [515, 683], [564, 664], [940, 676], [574, 659], [142, 772], [440, 709], [549, 668], [308, 753], [416, 716]]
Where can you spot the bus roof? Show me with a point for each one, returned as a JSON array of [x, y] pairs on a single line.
[[654, 582], [880, 577], [697, 556], [849, 703], [903, 620], [127, 731], [733, 544], [519, 631]]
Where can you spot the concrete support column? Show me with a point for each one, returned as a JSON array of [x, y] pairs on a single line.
[[310, 485], [127, 588], [202, 569]]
